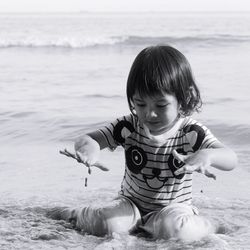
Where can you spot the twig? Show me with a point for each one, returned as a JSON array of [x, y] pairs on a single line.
[[74, 156]]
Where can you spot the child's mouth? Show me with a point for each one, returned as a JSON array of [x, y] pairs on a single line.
[[152, 123]]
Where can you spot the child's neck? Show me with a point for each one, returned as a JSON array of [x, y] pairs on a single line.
[[168, 132]]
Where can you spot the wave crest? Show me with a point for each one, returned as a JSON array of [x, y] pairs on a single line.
[[84, 42]]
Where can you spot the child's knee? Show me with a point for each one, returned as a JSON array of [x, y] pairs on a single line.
[[182, 222], [187, 228], [101, 221], [104, 224], [167, 228], [113, 222]]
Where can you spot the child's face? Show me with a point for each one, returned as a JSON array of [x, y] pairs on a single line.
[[158, 113]]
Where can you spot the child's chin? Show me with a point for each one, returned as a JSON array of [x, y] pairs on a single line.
[[158, 131], [154, 131]]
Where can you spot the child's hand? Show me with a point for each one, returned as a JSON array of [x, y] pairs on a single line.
[[87, 150], [198, 161]]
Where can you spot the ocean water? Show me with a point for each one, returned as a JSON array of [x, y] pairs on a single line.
[[62, 75]]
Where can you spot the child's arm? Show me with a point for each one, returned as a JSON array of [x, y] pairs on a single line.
[[217, 156], [88, 147]]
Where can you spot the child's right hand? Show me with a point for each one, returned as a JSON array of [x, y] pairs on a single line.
[[88, 150]]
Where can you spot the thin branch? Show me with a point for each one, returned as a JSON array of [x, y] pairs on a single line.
[[74, 156]]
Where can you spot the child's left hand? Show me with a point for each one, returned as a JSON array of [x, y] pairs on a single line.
[[198, 161]]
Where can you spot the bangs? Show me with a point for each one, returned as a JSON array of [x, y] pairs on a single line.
[[151, 83]]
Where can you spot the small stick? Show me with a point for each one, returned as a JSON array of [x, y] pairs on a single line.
[[97, 164]]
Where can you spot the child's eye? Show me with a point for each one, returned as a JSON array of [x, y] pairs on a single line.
[[162, 105], [140, 104]]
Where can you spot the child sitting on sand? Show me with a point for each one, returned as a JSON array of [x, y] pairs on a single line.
[[163, 147]]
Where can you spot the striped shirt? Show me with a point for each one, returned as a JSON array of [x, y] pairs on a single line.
[[149, 178]]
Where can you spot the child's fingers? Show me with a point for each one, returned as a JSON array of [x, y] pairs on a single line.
[[178, 156], [186, 169], [210, 175], [80, 157], [83, 159], [204, 170]]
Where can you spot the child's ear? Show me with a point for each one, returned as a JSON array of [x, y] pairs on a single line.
[[133, 111], [132, 107]]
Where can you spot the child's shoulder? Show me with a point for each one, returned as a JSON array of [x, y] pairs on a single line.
[[198, 135], [189, 121], [192, 127], [128, 119]]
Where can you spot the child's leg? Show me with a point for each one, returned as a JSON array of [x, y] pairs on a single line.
[[178, 221], [118, 216]]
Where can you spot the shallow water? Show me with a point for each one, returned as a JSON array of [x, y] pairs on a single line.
[[56, 86], [29, 191]]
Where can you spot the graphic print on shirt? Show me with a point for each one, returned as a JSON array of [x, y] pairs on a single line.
[[174, 164], [122, 130], [156, 179], [195, 135], [137, 159]]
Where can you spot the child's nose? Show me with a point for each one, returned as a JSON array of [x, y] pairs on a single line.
[[151, 113]]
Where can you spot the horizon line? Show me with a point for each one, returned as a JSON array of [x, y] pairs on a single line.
[[125, 12]]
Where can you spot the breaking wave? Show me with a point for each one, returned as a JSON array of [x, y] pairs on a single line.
[[85, 42]]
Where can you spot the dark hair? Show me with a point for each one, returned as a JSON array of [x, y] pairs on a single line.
[[163, 69]]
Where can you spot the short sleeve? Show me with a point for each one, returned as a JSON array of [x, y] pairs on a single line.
[[117, 131], [199, 136]]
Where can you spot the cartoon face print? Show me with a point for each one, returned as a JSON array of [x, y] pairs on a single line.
[[195, 135], [136, 160], [122, 130], [136, 157], [155, 179], [174, 164]]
